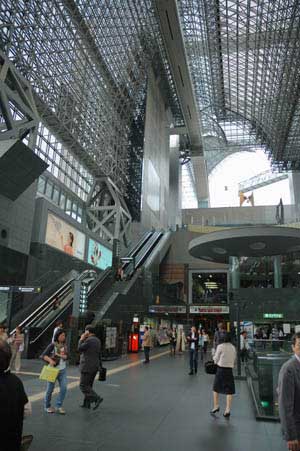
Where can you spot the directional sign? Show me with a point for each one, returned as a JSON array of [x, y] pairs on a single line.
[[5, 289], [20, 289], [27, 289]]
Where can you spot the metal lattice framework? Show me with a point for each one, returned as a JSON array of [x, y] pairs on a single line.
[[244, 58], [18, 114], [87, 62]]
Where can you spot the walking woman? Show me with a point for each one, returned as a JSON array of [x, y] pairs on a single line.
[[56, 355], [173, 341], [224, 358], [17, 347], [205, 341]]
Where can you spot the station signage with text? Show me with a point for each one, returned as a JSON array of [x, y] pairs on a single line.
[[167, 309], [20, 289], [209, 309]]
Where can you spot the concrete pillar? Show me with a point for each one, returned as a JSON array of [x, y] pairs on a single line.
[[234, 268], [174, 205], [277, 271], [294, 183]]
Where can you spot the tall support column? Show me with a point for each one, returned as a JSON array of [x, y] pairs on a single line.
[[277, 271], [234, 268], [294, 184], [174, 203]]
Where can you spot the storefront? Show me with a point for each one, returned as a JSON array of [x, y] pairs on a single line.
[[165, 317], [208, 316]]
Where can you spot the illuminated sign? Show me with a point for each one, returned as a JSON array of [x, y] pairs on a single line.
[[5, 289], [167, 309], [273, 315], [208, 310], [17, 289]]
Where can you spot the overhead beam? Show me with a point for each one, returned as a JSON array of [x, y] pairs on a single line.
[[168, 15], [260, 180]]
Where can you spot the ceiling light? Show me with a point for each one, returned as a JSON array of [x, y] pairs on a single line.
[[259, 245]]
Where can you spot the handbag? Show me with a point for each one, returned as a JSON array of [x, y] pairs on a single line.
[[102, 374], [49, 373], [210, 367], [26, 442]]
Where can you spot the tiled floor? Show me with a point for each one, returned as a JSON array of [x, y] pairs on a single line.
[[150, 407]]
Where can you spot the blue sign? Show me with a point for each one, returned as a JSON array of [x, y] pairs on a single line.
[[99, 255]]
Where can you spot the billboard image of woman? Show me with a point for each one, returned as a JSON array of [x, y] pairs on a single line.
[[99, 255], [64, 237]]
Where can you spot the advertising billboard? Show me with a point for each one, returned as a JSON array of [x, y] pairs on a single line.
[[99, 255], [64, 237]]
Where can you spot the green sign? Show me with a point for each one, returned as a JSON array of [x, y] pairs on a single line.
[[273, 315], [265, 404]]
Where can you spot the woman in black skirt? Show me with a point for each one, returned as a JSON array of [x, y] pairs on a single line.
[[224, 357]]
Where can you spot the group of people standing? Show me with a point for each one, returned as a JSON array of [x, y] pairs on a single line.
[[16, 343], [178, 341]]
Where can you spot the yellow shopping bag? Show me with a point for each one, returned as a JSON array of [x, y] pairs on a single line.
[[49, 373]]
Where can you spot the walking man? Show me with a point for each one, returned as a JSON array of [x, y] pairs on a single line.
[[147, 342], [289, 397], [193, 341], [89, 347]]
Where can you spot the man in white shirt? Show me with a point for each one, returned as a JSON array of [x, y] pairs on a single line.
[[289, 397], [244, 346]]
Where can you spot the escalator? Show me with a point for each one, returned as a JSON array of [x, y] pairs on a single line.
[[40, 323], [40, 320], [132, 271], [103, 287], [141, 254]]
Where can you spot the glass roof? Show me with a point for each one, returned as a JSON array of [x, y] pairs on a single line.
[[244, 58]]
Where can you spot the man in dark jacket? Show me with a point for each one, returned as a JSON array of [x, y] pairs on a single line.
[[193, 341], [12, 402], [289, 397], [89, 347]]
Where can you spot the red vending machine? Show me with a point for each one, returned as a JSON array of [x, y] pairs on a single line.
[[134, 336]]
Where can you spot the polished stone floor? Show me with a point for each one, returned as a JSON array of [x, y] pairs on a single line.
[[150, 407]]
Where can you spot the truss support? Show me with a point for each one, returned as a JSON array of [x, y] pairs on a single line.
[[18, 112], [107, 213]]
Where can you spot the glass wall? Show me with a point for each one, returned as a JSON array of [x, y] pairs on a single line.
[[209, 288], [290, 266], [61, 197], [256, 272]]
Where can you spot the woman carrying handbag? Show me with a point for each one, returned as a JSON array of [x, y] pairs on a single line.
[[224, 358], [56, 355]]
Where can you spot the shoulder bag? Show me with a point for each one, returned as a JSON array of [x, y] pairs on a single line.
[[210, 367]]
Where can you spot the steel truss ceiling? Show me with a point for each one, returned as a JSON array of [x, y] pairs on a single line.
[[87, 62], [244, 57]]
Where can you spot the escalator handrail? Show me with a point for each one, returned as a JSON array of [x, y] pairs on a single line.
[[27, 321], [148, 248], [135, 251], [140, 243], [144, 252], [52, 321], [49, 305], [43, 313], [103, 276]]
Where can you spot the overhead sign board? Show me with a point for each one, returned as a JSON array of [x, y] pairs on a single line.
[[167, 309], [5, 289], [209, 309], [273, 315], [21, 289]]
